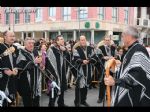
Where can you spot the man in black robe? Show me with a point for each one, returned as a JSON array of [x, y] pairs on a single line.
[[133, 80], [8, 67], [84, 58], [29, 78], [56, 67], [108, 52]]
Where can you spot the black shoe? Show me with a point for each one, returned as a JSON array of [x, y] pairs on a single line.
[[90, 87], [85, 104], [99, 101], [51, 105], [64, 105], [76, 104], [94, 86]]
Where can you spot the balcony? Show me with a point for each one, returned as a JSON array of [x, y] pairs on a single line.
[[64, 25], [142, 22]]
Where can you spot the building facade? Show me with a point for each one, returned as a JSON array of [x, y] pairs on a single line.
[[47, 22], [142, 21]]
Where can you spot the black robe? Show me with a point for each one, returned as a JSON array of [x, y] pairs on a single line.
[[104, 52], [56, 66], [133, 79], [8, 83], [85, 70], [120, 58], [112, 49], [29, 78]]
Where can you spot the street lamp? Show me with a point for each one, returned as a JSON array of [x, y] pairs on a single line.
[[52, 19], [78, 11], [79, 18]]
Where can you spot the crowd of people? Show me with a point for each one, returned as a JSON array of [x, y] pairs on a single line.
[[29, 68]]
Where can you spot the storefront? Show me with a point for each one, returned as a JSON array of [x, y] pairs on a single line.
[[98, 36]]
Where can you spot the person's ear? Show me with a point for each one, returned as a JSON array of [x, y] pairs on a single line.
[[57, 42]]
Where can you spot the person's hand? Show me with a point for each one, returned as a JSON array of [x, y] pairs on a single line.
[[118, 62], [15, 71], [111, 57], [85, 62], [106, 57], [8, 72], [109, 81], [38, 60], [42, 67]]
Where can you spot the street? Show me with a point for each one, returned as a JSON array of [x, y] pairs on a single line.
[[69, 98]]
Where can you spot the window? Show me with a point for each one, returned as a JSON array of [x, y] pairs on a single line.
[[16, 15], [52, 11], [7, 16], [27, 15], [126, 16], [86, 33], [29, 35], [101, 13], [53, 35], [66, 13], [115, 14], [83, 12], [67, 35], [38, 14]]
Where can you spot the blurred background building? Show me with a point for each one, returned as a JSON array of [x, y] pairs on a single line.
[[94, 22]]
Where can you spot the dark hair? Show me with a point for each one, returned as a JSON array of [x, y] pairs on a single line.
[[40, 46], [119, 47], [56, 39]]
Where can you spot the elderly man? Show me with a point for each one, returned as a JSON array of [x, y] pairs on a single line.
[[29, 79], [84, 58], [133, 80], [8, 67]]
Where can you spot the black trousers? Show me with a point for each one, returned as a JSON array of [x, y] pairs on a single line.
[[28, 101], [80, 95], [60, 100], [69, 78], [102, 89]]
